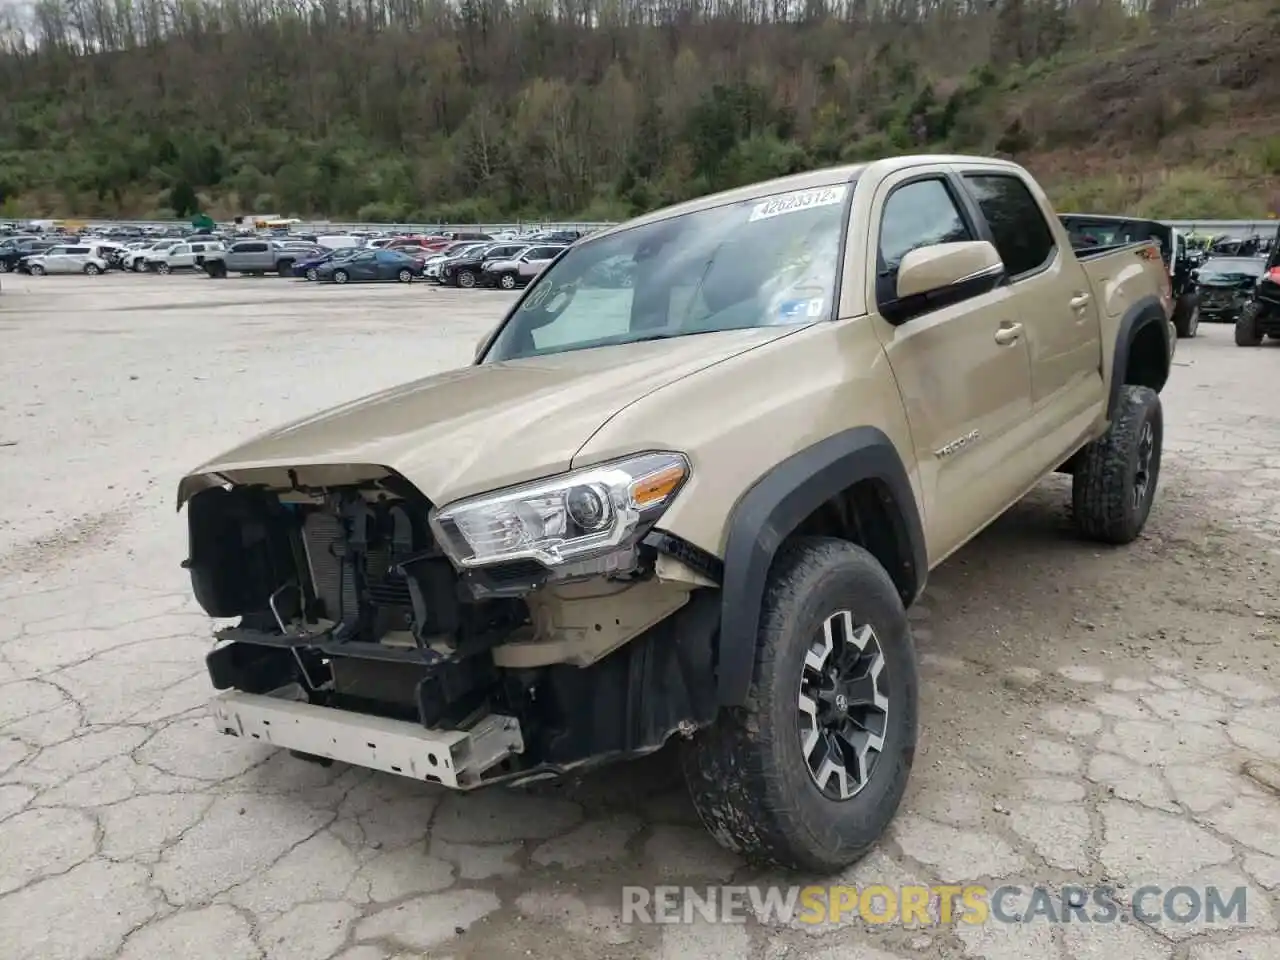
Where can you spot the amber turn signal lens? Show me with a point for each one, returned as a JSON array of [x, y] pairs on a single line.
[[652, 490]]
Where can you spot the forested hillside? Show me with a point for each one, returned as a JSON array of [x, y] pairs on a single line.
[[480, 109]]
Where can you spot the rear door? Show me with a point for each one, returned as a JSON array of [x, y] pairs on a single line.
[[1053, 298], [963, 371]]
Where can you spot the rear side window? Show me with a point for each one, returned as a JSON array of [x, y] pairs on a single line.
[[1021, 234], [916, 215], [77, 250]]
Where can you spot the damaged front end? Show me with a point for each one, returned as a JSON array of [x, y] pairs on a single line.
[[506, 637]]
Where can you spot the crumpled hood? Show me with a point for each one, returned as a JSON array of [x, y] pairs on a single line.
[[482, 427]]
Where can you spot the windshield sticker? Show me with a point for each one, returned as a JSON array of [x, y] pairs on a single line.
[[797, 201], [815, 307]]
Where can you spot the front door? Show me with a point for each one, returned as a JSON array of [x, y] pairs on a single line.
[[963, 369]]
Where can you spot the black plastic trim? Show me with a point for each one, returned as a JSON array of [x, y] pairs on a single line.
[[1140, 315], [775, 506], [691, 555]]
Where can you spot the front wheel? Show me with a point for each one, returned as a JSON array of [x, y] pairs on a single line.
[[1114, 484], [164, 268], [36, 270], [340, 276], [507, 281], [139, 266], [1249, 325], [809, 773], [312, 273], [466, 279]]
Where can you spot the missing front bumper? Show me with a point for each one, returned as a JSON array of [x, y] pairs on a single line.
[[459, 759]]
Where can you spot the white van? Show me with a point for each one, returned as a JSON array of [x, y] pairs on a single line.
[[339, 242]]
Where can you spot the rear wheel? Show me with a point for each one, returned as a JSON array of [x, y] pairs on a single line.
[[1249, 325], [1115, 480], [92, 269], [284, 267], [1186, 315], [405, 276], [810, 772]]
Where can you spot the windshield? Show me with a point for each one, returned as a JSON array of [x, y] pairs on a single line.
[[1231, 271], [757, 263]]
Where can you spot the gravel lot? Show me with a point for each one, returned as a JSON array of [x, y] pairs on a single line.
[[1088, 714]]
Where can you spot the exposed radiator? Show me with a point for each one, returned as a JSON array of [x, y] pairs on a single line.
[[322, 534]]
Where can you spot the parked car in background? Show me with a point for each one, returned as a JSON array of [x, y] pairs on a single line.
[[66, 259], [308, 266], [339, 241], [188, 255], [1260, 317], [258, 257], [13, 253], [1225, 284], [371, 265], [464, 271], [453, 251], [136, 259], [519, 270]]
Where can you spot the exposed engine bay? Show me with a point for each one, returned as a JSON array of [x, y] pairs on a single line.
[[346, 600]]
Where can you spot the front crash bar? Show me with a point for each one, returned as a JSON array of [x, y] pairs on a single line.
[[457, 759]]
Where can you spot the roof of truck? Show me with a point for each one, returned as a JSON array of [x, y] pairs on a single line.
[[810, 179]]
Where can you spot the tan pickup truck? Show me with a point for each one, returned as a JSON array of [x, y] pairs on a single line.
[[687, 491]]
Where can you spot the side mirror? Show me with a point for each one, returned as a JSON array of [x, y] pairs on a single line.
[[944, 265], [942, 273]]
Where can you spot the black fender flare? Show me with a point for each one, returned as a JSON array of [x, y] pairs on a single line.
[[1142, 314], [774, 506]]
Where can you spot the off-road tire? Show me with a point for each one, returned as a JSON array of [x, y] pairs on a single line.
[[747, 773], [1105, 505], [1186, 315], [466, 279], [1249, 325], [139, 266]]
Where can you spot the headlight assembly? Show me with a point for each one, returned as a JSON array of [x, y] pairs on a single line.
[[575, 516]]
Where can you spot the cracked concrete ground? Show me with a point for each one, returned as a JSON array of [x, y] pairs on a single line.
[[1088, 714]]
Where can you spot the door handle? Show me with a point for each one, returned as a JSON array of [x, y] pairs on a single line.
[[1008, 334], [1080, 301]]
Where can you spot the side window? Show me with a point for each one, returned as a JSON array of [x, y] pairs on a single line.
[[55, 251], [179, 250], [919, 214], [249, 248], [77, 251], [1021, 235]]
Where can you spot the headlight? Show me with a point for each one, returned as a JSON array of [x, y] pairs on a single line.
[[571, 517]]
